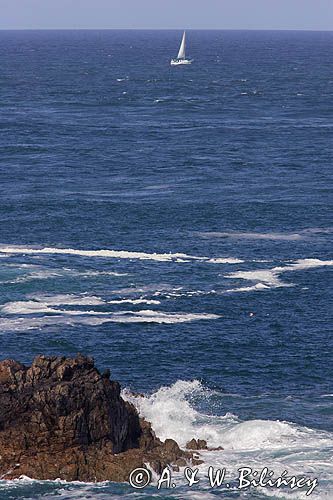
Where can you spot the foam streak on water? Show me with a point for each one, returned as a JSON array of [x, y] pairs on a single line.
[[114, 254], [270, 278]]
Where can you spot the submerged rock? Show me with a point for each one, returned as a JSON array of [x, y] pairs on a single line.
[[61, 418]]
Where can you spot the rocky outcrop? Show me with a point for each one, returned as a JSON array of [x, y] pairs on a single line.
[[62, 418], [200, 444], [197, 444]]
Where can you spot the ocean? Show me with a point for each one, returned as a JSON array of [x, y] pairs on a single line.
[[175, 223]]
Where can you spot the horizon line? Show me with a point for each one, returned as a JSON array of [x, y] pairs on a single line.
[[166, 29]]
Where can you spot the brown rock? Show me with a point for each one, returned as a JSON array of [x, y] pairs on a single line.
[[202, 444], [60, 418], [191, 445], [196, 461], [8, 369], [181, 462], [197, 444]]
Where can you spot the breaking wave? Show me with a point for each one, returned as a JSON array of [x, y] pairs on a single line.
[[275, 444]]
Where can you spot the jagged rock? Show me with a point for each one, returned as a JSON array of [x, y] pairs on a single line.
[[61, 418], [200, 444], [197, 444]]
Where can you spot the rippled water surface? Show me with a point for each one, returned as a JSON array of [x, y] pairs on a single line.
[[175, 223]]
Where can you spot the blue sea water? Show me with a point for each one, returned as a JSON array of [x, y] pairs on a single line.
[[175, 223]]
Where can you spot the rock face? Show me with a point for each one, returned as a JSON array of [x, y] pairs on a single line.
[[61, 418]]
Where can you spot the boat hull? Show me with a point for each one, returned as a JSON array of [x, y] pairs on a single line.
[[180, 62]]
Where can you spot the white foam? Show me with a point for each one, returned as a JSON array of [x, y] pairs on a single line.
[[31, 307], [67, 299], [56, 315], [259, 434], [226, 260], [252, 236], [275, 236], [305, 264], [135, 301], [172, 415], [37, 272], [154, 289], [111, 254], [35, 275], [27, 323], [258, 287], [168, 410], [88, 274], [254, 443], [267, 276], [270, 278], [23, 266], [147, 316]]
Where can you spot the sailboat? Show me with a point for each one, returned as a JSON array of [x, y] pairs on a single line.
[[181, 58]]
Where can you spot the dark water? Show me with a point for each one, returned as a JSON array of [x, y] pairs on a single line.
[[105, 147]]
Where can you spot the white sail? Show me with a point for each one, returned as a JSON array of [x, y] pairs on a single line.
[[181, 53]]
